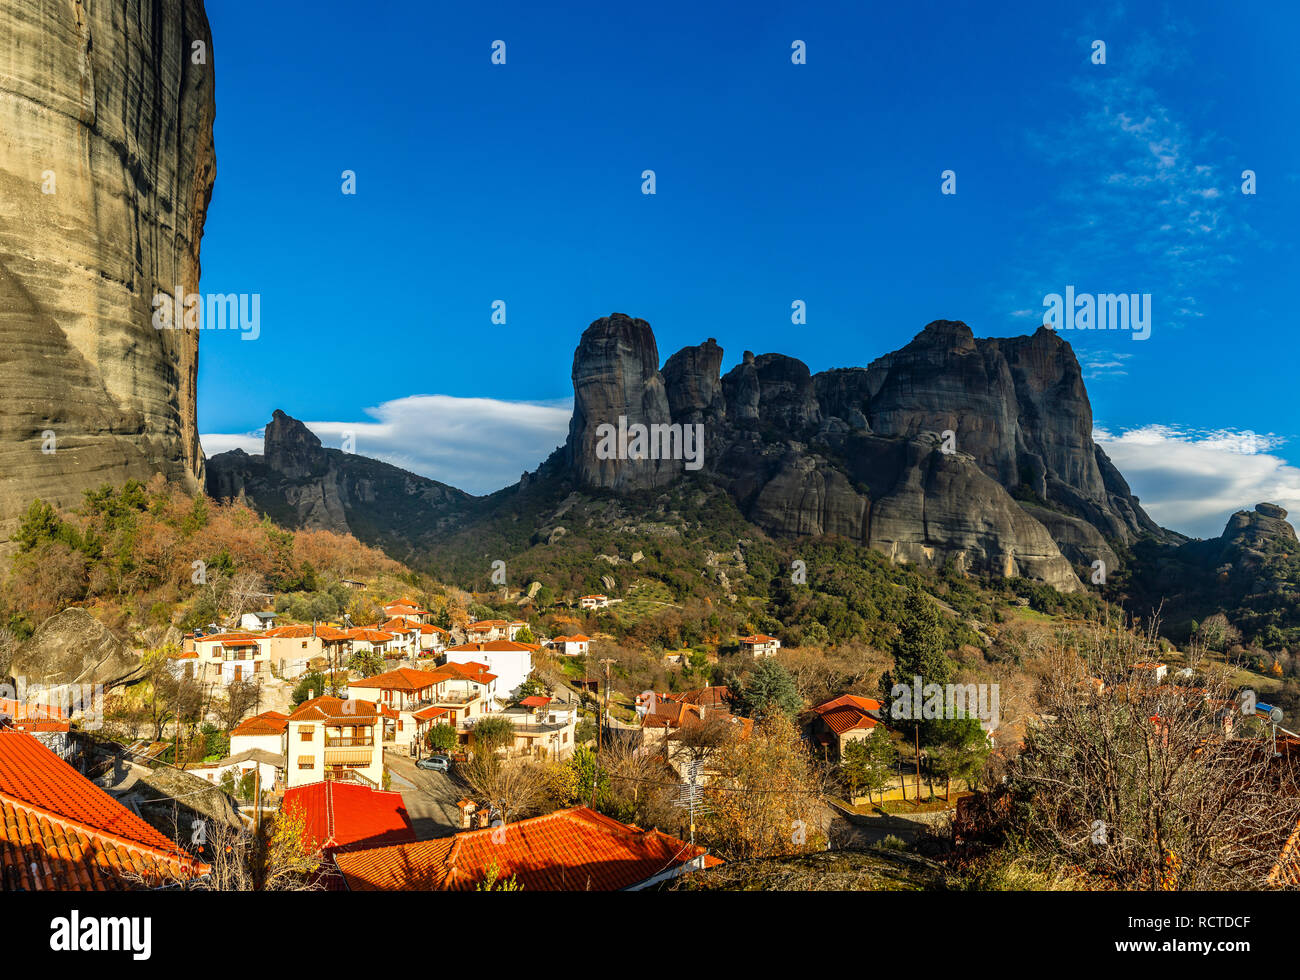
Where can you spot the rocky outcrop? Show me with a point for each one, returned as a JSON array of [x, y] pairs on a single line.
[[693, 383], [73, 647], [616, 382], [299, 483], [106, 170], [859, 452]]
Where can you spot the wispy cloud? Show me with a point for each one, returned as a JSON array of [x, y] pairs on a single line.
[[476, 444], [1143, 194], [1193, 481]]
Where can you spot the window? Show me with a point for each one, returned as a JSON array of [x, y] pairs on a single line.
[[304, 734], [307, 762]]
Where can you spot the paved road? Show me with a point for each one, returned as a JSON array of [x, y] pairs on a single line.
[[430, 797]]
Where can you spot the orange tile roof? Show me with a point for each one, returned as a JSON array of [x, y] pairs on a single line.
[[339, 815], [494, 646], [59, 831], [329, 708], [267, 723], [472, 671], [21, 711], [368, 635], [575, 638], [302, 631], [429, 713], [401, 679], [568, 850], [228, 639], [759, 638], [535, 701], [849, 712], [708, 697]]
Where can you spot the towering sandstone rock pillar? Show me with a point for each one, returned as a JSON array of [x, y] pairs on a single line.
[[106, 170]]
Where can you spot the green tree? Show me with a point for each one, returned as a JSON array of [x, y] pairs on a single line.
[[767, 688], [367, 663], [958, 748], [311, 685], [440, 738], [868, 763], [492, 733], [919, 647]]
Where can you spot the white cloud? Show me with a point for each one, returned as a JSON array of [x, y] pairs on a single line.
[[476, 444], [1193, 481]]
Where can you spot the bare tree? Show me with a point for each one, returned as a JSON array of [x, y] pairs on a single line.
[[243, 592], [240, 697], [1146, 784], [513, 788]]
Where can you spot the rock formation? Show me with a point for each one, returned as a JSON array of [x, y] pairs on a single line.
[[300, 483], [73, 647], [106, 170], [616, 382], [858, 451]]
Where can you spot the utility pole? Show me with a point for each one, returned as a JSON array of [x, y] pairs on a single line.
[[604, 714], [918, 762]]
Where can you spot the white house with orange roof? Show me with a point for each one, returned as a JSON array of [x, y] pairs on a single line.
[[407, 609], [228, 657], [759, 645], [511, 662], [487, 630], [593, 601], [290, 649], [576, 645], [367, 638], [332, 738]]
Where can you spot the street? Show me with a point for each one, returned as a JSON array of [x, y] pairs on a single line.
[[430, 797]]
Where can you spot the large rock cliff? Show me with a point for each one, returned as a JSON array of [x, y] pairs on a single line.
[[106, 170], [300, 483], [1017, 488]]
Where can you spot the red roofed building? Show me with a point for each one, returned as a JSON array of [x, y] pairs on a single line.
[[47, 724], [568, 850], [571, 646], [330, 738], [842, 720], [61, 832], [264, 731], [759, 645], [227, 657], [512, 662], [339, 815], [290, 649]]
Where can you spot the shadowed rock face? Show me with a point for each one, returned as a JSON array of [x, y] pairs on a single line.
[[616, 375], [856, 451], [106, 170]]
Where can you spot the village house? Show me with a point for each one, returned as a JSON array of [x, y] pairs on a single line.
[[407, 609], [330, 738], [487, 630], [593, 601], [568, 850], [291, 649], [366, 639], [759, 645], [544, 728], [840, 721], [61, 832], [511, 662], [255, 621], [415, 638], [48, 724], [264, 731], [416, 700], [224, 657], [1150, 673], [571, 646]]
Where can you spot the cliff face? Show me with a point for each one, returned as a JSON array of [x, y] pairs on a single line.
[[858, 452], [299, 483], [106, 170]]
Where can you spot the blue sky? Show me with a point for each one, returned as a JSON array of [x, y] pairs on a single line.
[[775, 182]]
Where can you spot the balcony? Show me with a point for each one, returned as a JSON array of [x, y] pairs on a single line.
[[349, 742]]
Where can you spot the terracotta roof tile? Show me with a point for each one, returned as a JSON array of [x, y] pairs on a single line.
[[569, 850]]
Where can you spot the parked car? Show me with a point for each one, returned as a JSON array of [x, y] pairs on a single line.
[[438, 763]]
